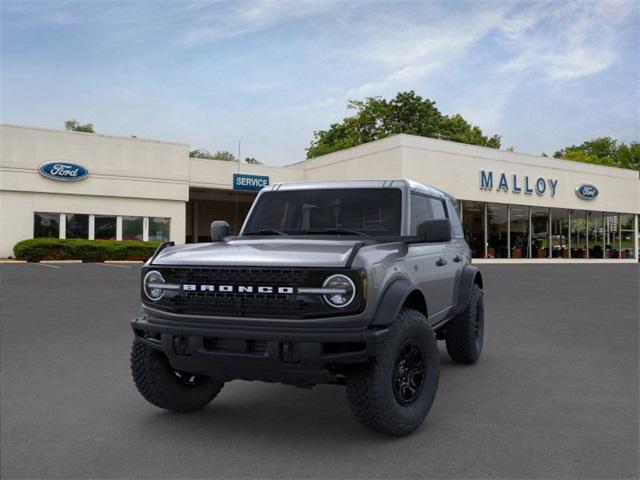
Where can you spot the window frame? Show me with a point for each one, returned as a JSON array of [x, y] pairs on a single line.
[[429, 199]]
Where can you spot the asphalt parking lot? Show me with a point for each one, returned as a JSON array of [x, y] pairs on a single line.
[[555, 394]]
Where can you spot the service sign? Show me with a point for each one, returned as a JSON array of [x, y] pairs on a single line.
[[63, 171], [586, 191], [242, 181]]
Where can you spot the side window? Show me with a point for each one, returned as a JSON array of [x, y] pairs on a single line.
[[454, 217], [420, 211], [437, 206]]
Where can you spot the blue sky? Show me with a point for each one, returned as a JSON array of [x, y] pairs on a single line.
[[542, 74]]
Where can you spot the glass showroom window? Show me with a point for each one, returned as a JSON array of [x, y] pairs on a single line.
[[77, 226], [559, 233], [539, 232], [626, 235], [132, 228], [497, 227], [159, 229], [611, 235], [105, 227], [519, 231], [473, 224], [46, 225], [596, 234], [578, 234]]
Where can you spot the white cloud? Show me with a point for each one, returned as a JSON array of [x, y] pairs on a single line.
[[245, 17], [406, 49], [258, 87], [404, 39], [564, 41], [405, 77]]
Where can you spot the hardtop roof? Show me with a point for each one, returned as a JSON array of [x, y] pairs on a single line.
[[391, 183]]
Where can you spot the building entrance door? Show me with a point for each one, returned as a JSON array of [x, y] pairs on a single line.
[[206, 205]]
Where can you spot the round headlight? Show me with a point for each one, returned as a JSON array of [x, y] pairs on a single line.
[[152, 285], [344, 290]]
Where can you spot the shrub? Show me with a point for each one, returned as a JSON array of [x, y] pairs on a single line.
[[37, 249]]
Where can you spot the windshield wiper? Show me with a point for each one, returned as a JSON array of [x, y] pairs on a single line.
[[267, 231], [337, 231]]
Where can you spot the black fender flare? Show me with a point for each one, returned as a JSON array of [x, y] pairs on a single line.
[[391, 302], [468, 277]]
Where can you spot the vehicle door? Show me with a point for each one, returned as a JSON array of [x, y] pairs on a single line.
[[451, 259], [427, 262]]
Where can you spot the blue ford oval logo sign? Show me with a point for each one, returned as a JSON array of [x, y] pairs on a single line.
[[64, 171], [586, 191]]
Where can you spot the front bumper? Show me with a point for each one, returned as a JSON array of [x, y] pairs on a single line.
[[280, 355]]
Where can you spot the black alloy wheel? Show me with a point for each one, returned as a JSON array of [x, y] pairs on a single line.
[[189, 379], [408, 374], [394, 392]]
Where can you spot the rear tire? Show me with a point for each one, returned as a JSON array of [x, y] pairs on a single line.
[[164, 387], [394, 392], [464, 334]]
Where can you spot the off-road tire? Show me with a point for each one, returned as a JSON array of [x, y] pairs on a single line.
[[464, 335], [370, 387], [161, 386]]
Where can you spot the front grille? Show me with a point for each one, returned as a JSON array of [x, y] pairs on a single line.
[[238, 276], [234, 304], [274, 305]]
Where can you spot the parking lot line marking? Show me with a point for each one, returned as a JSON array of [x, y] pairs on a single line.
[[113, 265], [47, 265]]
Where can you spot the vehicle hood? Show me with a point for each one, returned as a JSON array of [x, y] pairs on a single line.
[[260, 252]]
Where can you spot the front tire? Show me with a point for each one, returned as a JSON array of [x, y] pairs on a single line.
[[393, 393], [167, 388], [464, 334]]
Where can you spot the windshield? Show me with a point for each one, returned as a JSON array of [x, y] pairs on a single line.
[[356, 211]]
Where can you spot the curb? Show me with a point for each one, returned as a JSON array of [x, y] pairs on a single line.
[[60, 261], [8, 261], [553, 261], [137, 262]]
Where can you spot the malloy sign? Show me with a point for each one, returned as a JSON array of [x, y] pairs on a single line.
[[514, 183]]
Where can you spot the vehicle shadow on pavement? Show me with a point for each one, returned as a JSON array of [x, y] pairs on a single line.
[[251, 410], [246, 410]]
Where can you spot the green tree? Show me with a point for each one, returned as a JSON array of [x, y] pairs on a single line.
[[201, 153], [604, 151], [219, 155], [225, 156], [75, 126], [377, 118], [252, 161]]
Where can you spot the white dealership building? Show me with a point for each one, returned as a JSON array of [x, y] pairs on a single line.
[[514, 207]]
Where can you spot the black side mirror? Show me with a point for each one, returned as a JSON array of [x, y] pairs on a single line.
[[438, 230], [219, 230]]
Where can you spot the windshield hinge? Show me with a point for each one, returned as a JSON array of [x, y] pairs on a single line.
[[354, 251]]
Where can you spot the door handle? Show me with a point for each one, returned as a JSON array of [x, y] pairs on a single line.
[[457, 258], [441, 262]]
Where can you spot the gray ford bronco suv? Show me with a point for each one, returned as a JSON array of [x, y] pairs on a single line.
[[347, 282]]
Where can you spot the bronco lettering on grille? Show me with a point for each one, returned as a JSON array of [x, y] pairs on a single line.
[[192, 287]]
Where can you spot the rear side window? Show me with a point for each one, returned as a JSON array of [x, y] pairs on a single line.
[[425, 208], [438, 209], [456, 226], [420, 211]]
